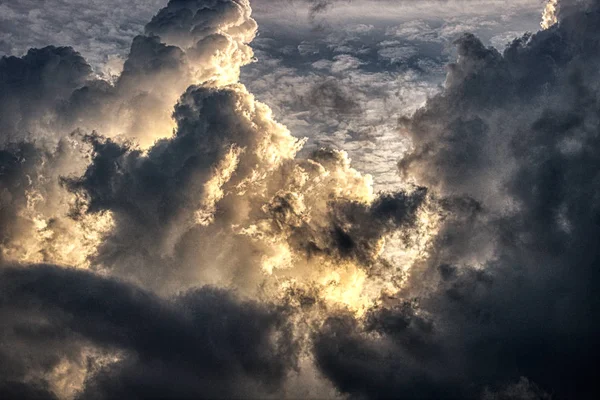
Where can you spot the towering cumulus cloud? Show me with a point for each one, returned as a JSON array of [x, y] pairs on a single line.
[[162, 236], [506, 304], [171, 178]]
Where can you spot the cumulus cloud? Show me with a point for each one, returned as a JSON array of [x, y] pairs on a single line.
[[191, 248], [203, 343], [503, 307], [172, 54], [169, 178], [32, 86], [295, 60]]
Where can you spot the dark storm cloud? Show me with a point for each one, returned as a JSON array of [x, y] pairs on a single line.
[[47, 94], [155, 195], [513, 139], [51, 91], [201, 344], [195, 345], [33, 86], [135, 93], [504, 306], [123, 179]]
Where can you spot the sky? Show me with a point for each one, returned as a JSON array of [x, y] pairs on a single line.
[[285, 199]]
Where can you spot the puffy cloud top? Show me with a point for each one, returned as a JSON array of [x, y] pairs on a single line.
[[163, 236]]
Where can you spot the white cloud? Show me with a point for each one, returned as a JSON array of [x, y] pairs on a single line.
[[99, 29]]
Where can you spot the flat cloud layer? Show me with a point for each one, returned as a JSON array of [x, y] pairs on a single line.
[[101, 30], [163, 236]]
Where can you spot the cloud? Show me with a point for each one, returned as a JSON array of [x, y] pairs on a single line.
[[49, 93], [197, 344], [507, 291], [330, 9], [161, 64], [347, 52], [231, 171], [327, 96], [102, 33], [33, 86], [174, 189], [212, 257]]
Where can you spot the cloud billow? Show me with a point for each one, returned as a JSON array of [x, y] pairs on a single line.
[[516, 135], [204, 339], [162, 236]]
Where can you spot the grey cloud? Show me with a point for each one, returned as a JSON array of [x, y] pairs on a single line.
[[195, 345], [155, 196], [429, 7], [199, 205], [504, 306], [348, 53], [329, 97], [104, 29], [101, 32], [61, 95], [34, 86], [348, 100]]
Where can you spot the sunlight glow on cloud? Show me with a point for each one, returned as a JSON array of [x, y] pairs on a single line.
[[163, 235]]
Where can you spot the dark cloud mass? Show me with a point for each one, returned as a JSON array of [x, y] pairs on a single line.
[[516, 134], [32, 86], [162, 236], [201, 344]]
